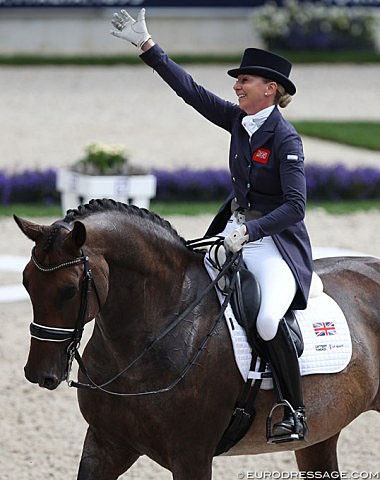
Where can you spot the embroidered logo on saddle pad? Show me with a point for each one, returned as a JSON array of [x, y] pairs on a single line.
[[261, 155], [322, 329]]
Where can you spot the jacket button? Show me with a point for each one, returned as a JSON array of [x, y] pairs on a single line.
[[236, 156], [233, 179], [248, 185], [248, 204]]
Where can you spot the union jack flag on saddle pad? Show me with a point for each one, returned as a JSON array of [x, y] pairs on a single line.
[[322, 329]]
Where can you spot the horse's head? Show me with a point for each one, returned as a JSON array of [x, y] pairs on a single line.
[[58, 280]]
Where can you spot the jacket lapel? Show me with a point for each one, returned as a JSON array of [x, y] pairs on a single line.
[[265, 132], [243, 142], [260, 137]]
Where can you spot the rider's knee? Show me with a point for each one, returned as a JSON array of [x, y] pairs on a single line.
[[267, 326]]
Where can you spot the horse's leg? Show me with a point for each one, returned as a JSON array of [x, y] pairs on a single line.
[[201, 469], [103, 461], [320, 457]]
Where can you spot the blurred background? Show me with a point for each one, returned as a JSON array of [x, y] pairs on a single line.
[[103, 95], [74, 99], [189, 26]]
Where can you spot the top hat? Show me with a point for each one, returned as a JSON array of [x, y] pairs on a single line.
[[265, 64]]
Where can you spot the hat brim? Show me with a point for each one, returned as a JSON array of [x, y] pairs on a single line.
[[266, 73]]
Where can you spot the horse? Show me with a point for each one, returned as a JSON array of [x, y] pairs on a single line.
[[160, 373]]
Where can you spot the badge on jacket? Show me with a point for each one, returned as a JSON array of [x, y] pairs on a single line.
[[261, 155]]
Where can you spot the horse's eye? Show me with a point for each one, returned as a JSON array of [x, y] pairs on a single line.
[[66, 293]]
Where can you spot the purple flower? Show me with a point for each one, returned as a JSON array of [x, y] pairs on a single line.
[[335, 182], [29, 186], [185, 184]]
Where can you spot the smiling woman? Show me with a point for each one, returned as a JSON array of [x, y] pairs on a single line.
[[262, 81], [254, 93]]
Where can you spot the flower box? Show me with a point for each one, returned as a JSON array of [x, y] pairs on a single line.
[[77, 188]]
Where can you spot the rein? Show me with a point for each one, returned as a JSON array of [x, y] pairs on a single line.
[[234, 262], [52, 334]]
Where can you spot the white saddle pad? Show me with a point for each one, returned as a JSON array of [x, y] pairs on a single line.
[[327, 339]]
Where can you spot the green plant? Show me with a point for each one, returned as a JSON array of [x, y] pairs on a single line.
[[315, 26], [102, 159]]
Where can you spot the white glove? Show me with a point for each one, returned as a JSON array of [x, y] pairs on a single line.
[[235, 240], [129, 29]]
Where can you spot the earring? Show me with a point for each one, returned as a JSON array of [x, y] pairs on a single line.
[[266, 94]]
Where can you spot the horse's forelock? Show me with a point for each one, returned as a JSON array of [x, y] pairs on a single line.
[[49, 239]]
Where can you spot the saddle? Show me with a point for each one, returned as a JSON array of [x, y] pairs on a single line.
[[246, 298], [245, 303]]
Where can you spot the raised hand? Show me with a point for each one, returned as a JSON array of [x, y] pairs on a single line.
[[129, 29]]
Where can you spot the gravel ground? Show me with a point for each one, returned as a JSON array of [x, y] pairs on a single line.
[[49, 114]]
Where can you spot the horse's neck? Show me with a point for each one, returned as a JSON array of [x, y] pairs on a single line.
[[147, 288]]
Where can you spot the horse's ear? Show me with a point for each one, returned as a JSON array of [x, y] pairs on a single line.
[[30, 229], [78, 234]]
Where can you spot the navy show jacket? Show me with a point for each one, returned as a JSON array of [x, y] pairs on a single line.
[[267, 171]]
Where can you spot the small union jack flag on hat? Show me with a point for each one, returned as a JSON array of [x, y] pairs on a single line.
[[322, 329]]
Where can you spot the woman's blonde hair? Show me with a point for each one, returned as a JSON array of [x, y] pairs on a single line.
[[282, 98]]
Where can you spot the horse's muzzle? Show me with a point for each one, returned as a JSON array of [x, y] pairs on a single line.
[[47, 380]]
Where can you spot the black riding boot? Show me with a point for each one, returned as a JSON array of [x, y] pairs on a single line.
[[284, 361]]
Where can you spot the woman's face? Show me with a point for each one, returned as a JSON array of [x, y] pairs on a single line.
[[254, 93]]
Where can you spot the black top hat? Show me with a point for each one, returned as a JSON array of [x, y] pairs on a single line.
[[265, 64]]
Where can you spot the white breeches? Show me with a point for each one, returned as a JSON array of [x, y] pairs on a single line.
[[277, 283]]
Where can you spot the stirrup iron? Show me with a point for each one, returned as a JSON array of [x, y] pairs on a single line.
[[289, 437]]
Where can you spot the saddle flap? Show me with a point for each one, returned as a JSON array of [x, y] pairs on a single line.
[[245, 304], [295, 331]]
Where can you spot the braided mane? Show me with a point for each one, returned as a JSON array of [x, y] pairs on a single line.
[[109, 205], [51, 238]]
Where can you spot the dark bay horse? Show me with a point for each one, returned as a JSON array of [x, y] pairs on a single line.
[[144, 276]]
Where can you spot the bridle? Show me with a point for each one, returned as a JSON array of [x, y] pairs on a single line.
[[52, 334]]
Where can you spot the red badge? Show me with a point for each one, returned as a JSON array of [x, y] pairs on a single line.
[[261, 155]]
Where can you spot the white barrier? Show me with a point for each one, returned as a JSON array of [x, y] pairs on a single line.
[[76, 188], [85, 31]]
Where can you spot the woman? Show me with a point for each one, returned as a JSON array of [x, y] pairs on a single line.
[[264, 214]]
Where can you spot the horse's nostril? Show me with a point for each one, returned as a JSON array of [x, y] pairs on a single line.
[[50, 383]]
